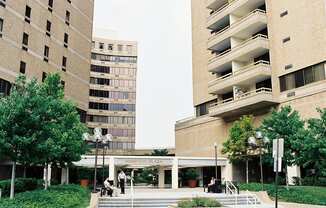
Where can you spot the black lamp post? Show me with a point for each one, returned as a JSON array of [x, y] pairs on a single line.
[[215, 147]]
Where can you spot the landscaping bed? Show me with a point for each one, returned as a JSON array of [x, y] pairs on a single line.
[[298, 194], [62, 196], [199, 202]]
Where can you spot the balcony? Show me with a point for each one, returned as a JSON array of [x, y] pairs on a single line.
[[216, 4], [252, 73], [238, 8], [254, 22], [248, 102], [250, 48]]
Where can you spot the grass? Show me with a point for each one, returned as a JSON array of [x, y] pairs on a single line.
[[65, 196], [296, 194]]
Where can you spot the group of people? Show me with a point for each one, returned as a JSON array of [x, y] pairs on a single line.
[[109, 188]]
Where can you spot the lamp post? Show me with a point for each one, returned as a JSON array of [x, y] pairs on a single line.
[[104, 144], [258, 142], [215, 147], [96, 138]]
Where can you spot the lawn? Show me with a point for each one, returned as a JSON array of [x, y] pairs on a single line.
[[297, 194], [65, 196]]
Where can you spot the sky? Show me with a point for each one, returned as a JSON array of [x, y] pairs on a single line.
[[162, 29]]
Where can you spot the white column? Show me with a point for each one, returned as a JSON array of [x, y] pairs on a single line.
[[227, 172], [175, 174], [111, 169], [293, 171], [49, 174], [64, 175], [161, 176]]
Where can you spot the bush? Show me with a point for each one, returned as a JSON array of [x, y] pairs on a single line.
[[21, 185], [199, 202], [191, 174], [313, 181], [62, 196]]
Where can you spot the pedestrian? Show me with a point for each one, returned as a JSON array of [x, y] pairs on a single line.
[[122, 179]]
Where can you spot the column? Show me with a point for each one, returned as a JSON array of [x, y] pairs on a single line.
[[111, 169], [64, 175], [293, 171], [48, 170], [175, 174], [227, 172], [161, 176]]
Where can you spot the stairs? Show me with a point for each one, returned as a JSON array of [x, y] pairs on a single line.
[[226, 200]]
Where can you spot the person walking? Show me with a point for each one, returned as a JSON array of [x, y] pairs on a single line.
[[122, 179]]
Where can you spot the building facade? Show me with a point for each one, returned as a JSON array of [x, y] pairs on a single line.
[[41, 37], [112, 94], [248, 57]]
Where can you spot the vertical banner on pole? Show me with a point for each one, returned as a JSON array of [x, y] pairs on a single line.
[[278, 147]]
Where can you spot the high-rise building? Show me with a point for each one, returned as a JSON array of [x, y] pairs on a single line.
[[41, 37], [250, 56], [112, 94]]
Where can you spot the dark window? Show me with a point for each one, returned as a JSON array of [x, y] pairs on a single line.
[[104, 131], [82, 115], [22, 67], [99, 81], [48, 28], [65, 40], [25, 42], [100, 69], [284, 14], [50, 5], [46, 53], [287, 39], [203, 108], [28, 12], [43, 76], [64, 63], [1, 27], [69, 1], [63, 84], [288, 66], [101, 45], [3, 3], [110, 47], [4, 87], [299, 79], [67, 17], [264, 84]]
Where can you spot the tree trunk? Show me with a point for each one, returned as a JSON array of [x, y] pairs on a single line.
[[46, 177], [12, 184], [247, 171]]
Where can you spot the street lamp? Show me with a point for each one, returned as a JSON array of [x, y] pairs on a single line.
[[96, 138], [215, 146], [258, 141], [105, 145]]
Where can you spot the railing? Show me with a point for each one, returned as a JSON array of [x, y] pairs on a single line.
[[243, 96], [237, 47], [239, 71], [251, 198], [232, 190], [220, 9], [237, 22]]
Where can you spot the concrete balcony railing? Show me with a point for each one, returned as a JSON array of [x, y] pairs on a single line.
[[250, 24], [236, 7], [248, 102], [252, 73], [248, 49]]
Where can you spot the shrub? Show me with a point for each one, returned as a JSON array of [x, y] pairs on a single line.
[[191, 174], [199, 202], [21, 185], [313, 181], [62, 196]]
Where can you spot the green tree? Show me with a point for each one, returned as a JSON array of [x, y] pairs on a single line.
[[236, 146], [287, 124], [313, 148], [160, 152]]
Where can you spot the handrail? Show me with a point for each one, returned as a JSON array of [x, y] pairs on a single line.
[[245, 95], [229, 3], [238, 46], [237, 22], [239, 71], [254, 198]]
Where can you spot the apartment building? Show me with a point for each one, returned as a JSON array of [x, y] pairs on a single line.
[[40, 37], [112, 94], [248, 57]]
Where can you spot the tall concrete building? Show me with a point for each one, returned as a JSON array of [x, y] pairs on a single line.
[[250, 56], [40, 37], [112, 94]]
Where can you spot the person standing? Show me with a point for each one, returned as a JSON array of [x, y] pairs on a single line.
[[122, 179]]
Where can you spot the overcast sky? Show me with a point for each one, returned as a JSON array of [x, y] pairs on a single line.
[[162, 29]]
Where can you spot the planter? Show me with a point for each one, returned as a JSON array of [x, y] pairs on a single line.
[[192, 183], [84, 182]]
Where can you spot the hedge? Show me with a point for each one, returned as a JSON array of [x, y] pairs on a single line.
[[199, 202], [62, 196], [21, 185]]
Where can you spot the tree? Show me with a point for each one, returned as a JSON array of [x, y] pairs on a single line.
[[236, 146], [160, 152], [313, 148], [288, 125]]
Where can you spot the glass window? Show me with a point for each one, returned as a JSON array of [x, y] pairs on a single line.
[[28, 12], [299, 79], [22, 67], [110, 47], [101, 45], [25, 39], [308, 75], [67, 17]]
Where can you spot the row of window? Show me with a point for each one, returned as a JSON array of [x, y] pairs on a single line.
[[113, 94], [112, 119], [113, 82], [116, 132], [112, 47], [303, 77], [112, 106], [122, 59], [113, 70]]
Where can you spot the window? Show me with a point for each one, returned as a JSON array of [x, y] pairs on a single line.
[[101, 46], [4, 87], [67, 17], [63, 84], [46, 53], [44, 75], [48, 28], [287, 39], [25, 42], [69, 1], [65, 40], [28, 12], [110, 47], [100, 69], [290, 66], [284, 14], [120, 47], [1, 27], [22, 67], [64, 63], [50, 5], [3, 3]]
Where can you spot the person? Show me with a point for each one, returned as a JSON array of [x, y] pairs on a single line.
[[108, 187], [122, 179], [211, 185]]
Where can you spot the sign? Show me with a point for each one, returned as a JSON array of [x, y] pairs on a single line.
[[278, 153], [279, 164]]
